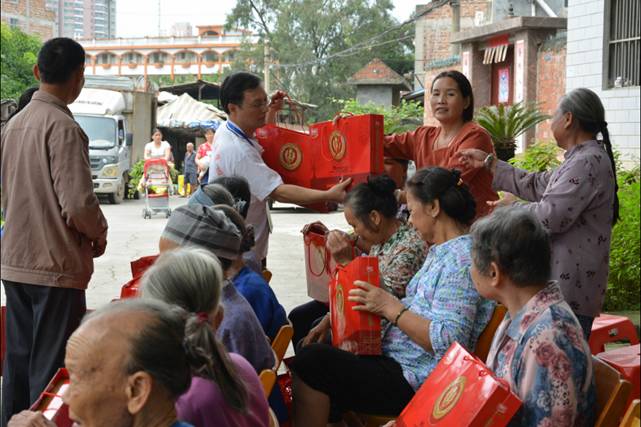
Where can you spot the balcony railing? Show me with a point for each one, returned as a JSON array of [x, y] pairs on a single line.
[[178, 41]]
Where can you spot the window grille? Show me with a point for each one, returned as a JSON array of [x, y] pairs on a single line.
[[623, 42]]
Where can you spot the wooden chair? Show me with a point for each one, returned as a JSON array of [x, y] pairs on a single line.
[[267, 275], [611, 394], [485, 340], [281, 342], [632, 418], [267, 379], [3, 342], [273, 419]]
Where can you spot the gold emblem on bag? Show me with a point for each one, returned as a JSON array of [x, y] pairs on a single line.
[[290, 156], [448, 398], [337, 145]]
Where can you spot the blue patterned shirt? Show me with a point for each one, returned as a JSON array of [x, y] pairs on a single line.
[[442, 291], [541, 353]]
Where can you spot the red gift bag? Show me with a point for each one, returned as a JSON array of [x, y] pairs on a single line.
[[358, 332], [50, 401], [319, 263], [138, 268], [461, 391]]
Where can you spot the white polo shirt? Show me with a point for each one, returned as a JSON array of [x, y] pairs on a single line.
[[233, 154]]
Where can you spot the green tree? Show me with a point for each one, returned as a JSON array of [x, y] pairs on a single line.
[[18, 54], [317, 45], [397, 119]]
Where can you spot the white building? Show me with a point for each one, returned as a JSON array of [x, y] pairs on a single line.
[[603, 54]]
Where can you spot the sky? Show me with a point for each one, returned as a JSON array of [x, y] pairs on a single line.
[[139, 18]]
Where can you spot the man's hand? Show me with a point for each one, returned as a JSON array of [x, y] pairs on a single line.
[[30, 419], [318, 333], [98, 247], [341, 246], [277, 100], [338, 192]]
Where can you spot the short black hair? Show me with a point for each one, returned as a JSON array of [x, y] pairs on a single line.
[[513, 238], [234, 86], [464, 86], [58, 59], [377, 194], [454, 197]]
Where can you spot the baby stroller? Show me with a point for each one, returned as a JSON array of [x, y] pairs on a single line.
[[157, 184]]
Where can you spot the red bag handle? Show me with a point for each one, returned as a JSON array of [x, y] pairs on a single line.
[[309, 261]]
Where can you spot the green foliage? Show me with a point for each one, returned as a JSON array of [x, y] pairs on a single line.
[[506, 123], [625, 268], [313, 37], [135, 175], [18, 54], [405, 117], [539, 157]]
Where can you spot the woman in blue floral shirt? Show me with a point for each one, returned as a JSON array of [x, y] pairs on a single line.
[[539, 348], [440, 306]]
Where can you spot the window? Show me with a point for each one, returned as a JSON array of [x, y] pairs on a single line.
[[132, 58], [14, 22], [157, 58], [210, 56], [185, 57], [622, 43]]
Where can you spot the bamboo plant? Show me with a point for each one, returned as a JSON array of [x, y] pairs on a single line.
[[505, 123]]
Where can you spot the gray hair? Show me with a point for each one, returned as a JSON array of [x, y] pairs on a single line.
[[192, 278], [516, 241], [157, 347], [218, 194], [587, 109]]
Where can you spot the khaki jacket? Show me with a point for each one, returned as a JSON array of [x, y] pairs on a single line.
[[52, 214]]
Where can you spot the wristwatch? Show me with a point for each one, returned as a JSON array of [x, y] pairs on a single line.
[[487, 163]]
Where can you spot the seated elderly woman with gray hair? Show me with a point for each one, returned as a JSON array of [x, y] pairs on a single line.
[[128, 365], [539, 348], [223, 383]]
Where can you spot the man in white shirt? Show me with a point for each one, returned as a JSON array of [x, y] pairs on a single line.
[[236, 152]]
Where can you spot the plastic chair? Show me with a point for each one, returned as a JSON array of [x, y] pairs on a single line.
[[281, 342], [267, 275], [611, 394], [626, 361], [632, 417], [609, 328], [267, 379], [485, 340]]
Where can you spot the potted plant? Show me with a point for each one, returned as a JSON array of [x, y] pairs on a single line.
[[506, 122]]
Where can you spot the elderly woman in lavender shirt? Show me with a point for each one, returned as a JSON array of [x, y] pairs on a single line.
[[576, 202]]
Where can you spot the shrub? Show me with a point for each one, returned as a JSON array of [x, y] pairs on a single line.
[[135, 174], [625, 268], [539, 157], [402, 118]]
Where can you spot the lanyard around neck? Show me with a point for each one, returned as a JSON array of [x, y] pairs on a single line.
[[238, 132]]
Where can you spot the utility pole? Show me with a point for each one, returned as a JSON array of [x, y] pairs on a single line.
[[159, 14], [455, 48], [266, 66]]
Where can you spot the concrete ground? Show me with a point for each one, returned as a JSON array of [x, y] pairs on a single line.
[[130, 237]]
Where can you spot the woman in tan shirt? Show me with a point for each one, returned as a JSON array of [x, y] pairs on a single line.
[[452, 104]]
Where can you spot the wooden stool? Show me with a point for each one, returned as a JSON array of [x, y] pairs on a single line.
[[626, 361], [608, 328]]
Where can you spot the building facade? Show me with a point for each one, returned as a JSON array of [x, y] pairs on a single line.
[[95, 19], [31, 16], [208, 53], [603, 55]]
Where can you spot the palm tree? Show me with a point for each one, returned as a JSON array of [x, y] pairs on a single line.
[[505, 123]]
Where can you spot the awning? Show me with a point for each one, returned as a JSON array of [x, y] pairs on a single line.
[[495, 54], [185, 111]]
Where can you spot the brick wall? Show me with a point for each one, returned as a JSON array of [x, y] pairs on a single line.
[[32, 15], [585, 69], [550, 85]]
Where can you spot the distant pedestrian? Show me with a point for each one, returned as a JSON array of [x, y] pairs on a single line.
[[190, 170], [203, 156], [54, 226]]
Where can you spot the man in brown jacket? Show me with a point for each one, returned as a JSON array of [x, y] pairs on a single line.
[[54, 226]]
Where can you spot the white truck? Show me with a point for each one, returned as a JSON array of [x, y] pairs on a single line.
[[118, 119]]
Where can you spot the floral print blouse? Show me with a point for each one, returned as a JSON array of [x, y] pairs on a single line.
[[541, 353], [442, 291], [574, 202], [399, 258]]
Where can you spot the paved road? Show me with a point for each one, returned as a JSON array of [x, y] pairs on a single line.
[[131, 236]]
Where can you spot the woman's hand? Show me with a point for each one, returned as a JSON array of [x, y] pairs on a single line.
[[341, 246], [375, 300], [472, 158], [507, 200], [318, 333]]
